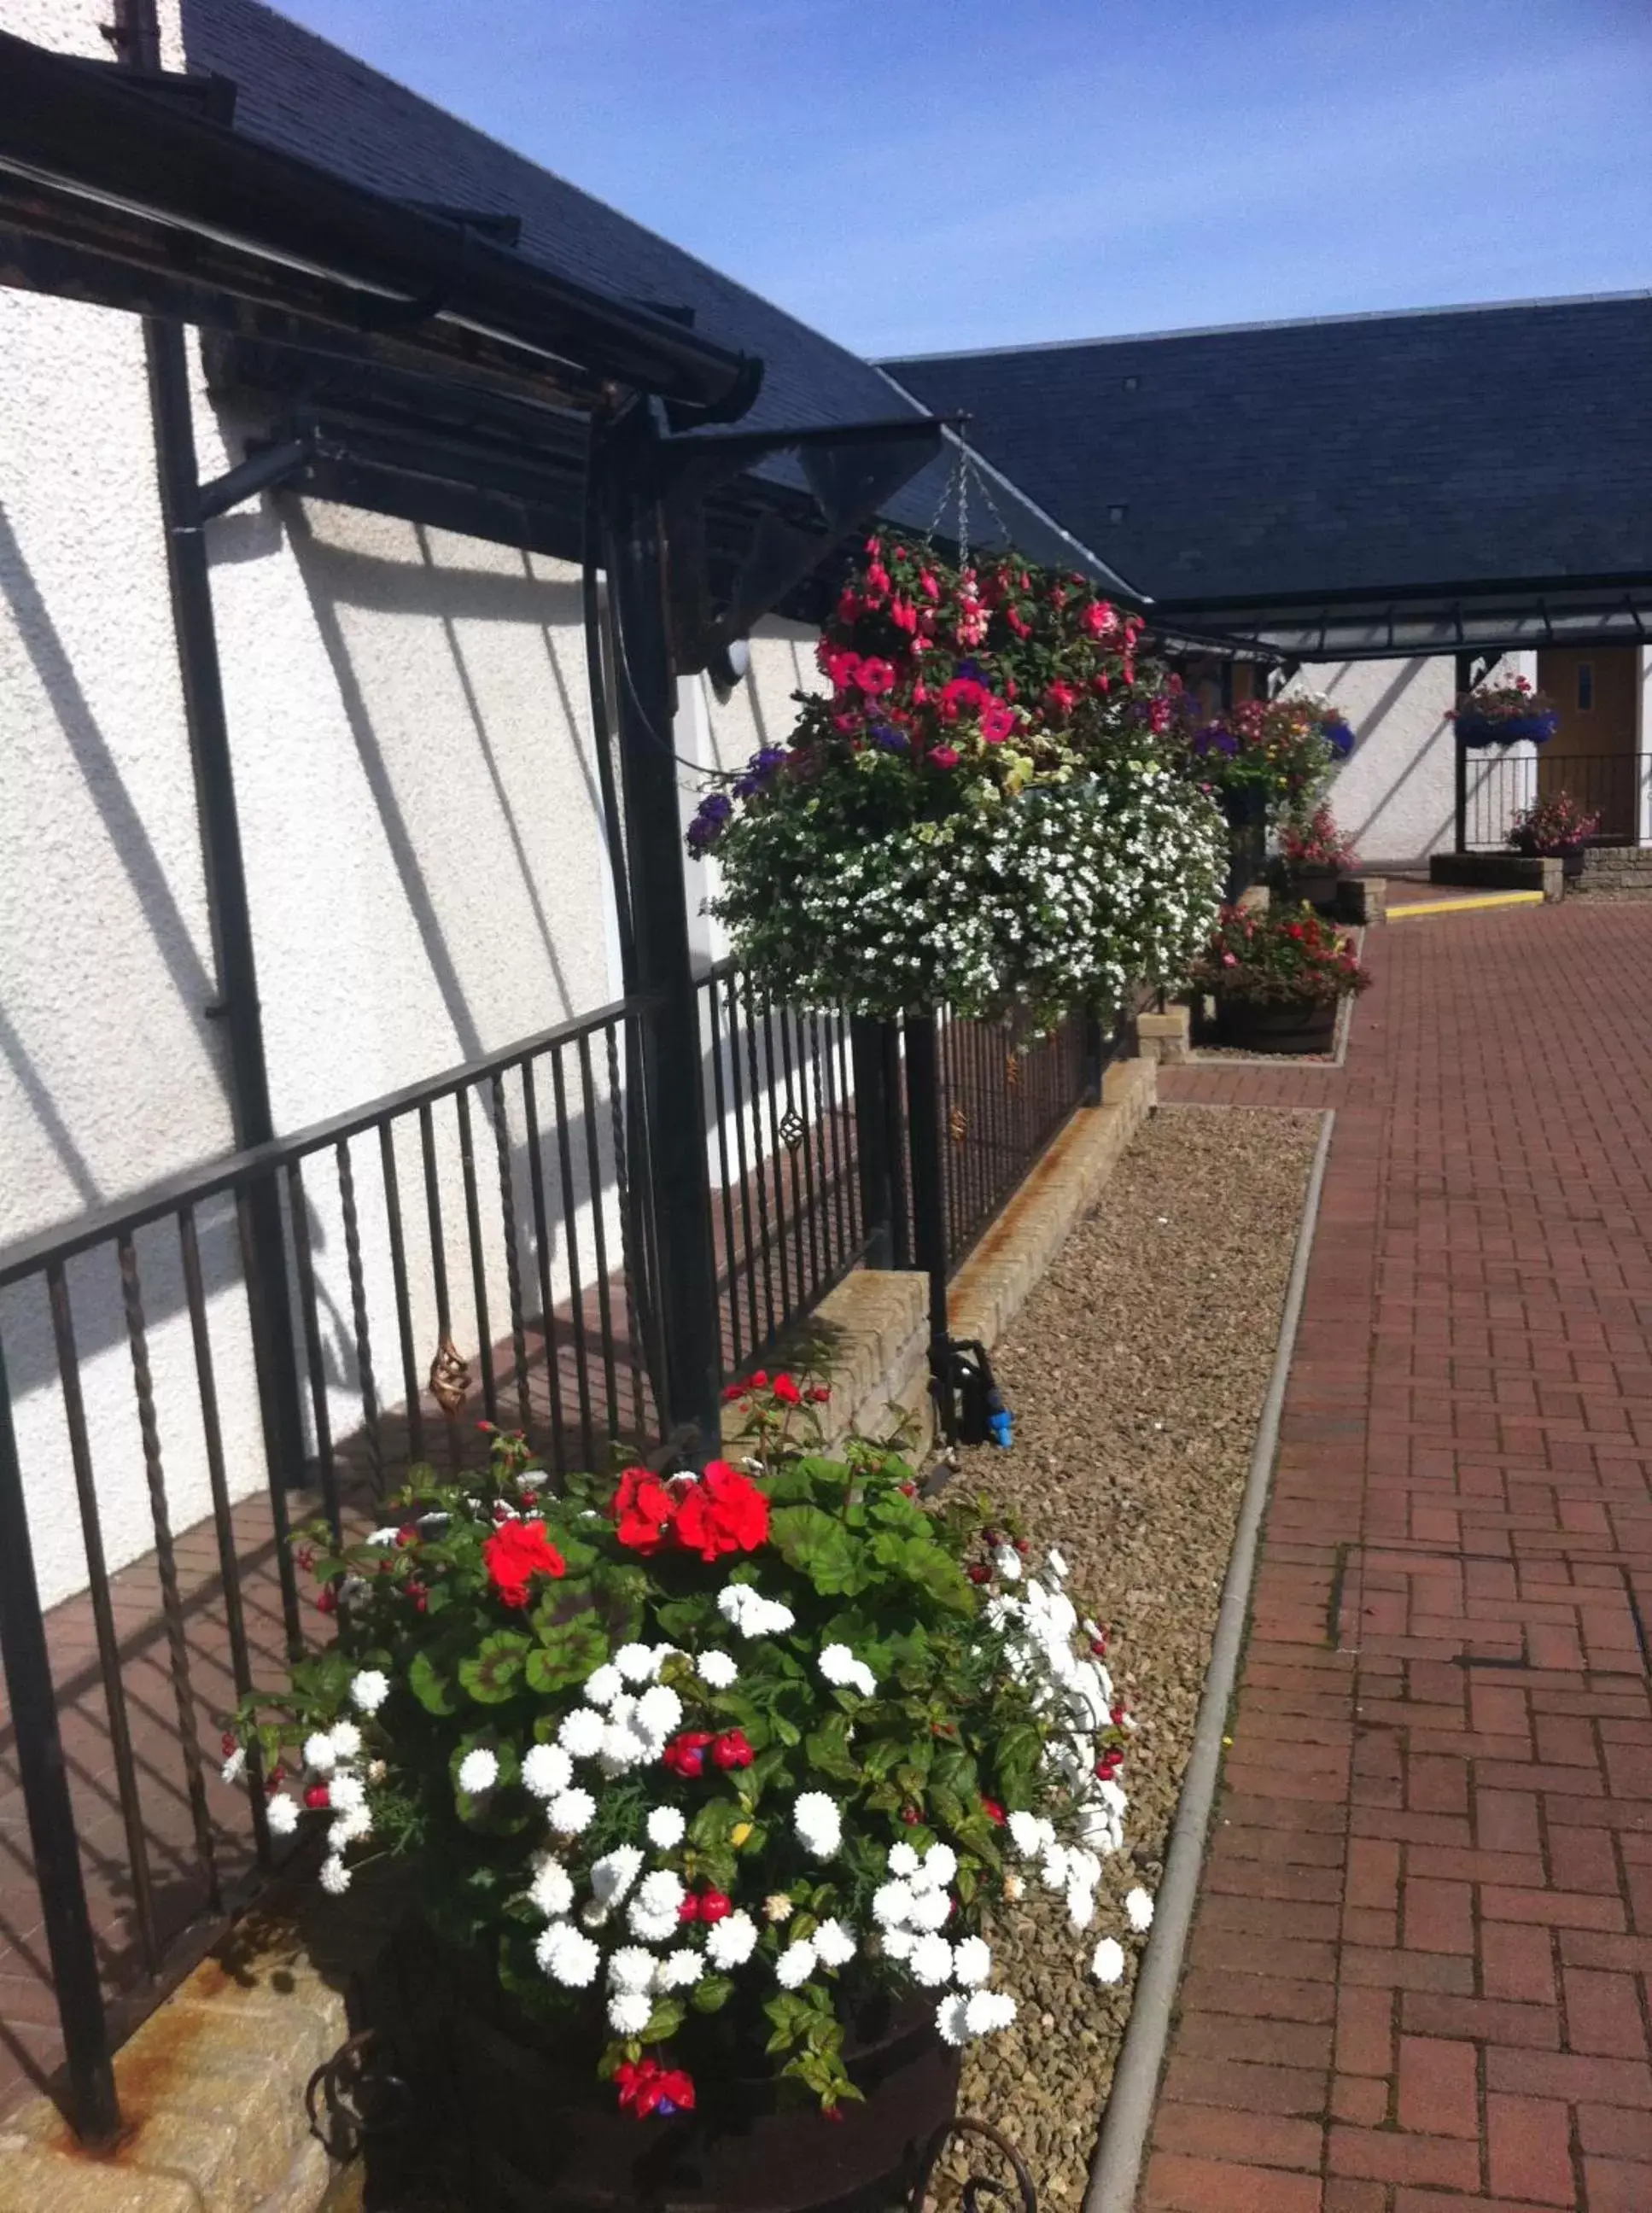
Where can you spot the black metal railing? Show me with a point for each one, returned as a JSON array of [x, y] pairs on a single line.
[[479, 1246], [1615, 788], [786, 1213]]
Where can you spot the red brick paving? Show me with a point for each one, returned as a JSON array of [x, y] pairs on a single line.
[[1419, 1978]]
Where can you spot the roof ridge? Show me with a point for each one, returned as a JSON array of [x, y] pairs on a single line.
[[1275, 323]]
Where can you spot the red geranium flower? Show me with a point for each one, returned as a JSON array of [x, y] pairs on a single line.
[[731, 1750], [643, 1509], [714, 1905], [786, 1390], [993, 1810], [517, 1551], [317, 1796], [724, 1512], [685, 1753]]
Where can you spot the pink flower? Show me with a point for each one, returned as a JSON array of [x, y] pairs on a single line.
[[963, 696], [944, 756], [1099, 619], [998, 723], [873, 676]]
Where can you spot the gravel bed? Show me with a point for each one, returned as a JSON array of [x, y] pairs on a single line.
[[1137, 1371]]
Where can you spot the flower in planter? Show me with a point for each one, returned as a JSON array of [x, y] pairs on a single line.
[[1001, 821], [1554, 824], [1498, 713], [713, 1863], [1281, 956], [1316, 842]]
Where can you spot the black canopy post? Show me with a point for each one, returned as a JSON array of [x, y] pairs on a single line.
[[930, 1205], [631, 488]]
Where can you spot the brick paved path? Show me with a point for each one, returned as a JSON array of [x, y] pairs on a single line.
[[1419, 1978]]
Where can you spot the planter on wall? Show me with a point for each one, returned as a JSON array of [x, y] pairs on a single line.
[[1476, 731], [1570, 856], [1314, 882], [1299, 1025]]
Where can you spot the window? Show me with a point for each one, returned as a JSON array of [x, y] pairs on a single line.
[[1585, 685]]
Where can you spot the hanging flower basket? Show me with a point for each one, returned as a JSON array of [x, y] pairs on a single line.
[[986, 812], [1280, 751], [713, 1781], [1504, 714]]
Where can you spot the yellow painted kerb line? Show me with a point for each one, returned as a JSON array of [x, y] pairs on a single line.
[[1475, 905]]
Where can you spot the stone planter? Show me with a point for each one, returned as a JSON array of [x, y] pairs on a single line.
[[1570, 857], [541, 2133], [1299, 1024]]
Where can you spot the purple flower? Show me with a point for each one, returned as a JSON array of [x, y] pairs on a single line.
[[891, 739], [1338, 737], [973, 671], [707, 827]]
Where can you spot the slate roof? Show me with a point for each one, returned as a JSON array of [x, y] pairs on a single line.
[[296, 91], [1355, 454]]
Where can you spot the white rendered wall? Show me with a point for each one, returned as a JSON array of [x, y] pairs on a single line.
[[1393, 796], [409, 724]]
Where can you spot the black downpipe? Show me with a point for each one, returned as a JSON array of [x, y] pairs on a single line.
[[275, 1349], [673, 1094]]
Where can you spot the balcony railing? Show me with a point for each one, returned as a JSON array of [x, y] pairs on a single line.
[[1616, 788]]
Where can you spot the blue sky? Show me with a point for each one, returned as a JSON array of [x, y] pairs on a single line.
[[927, 175]]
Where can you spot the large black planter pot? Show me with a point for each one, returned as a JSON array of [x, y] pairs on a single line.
[[1276, 1026], [542, 2134], [1571, 858]]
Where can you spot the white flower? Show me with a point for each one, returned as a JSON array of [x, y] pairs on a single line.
[[1029, 1835], [346, 1740], [971, 1961], [479, 1771], [635, 1662], [730, 1942], [631, 1968], [282, 1815], [319, 1754], [552, 1889], [350, 1828], [940, 1865], [1055, 1566], [795, 1965], [1007, 1560], [572, 1814], [930, 1909], [623, 1748], [581, 1733], [345, 1793], [613, 1875], [897, 1943], [717, 1670], [547, 1770], [1139, 1908], [949, 2018], [987, 2010], [777, 1907], [629, 2012], [834, 1943], [818, 1823], [335, 1877], [751, 1614], [679, 1970], [892, 1904], [603, 1684], [1052, 1868], [841, 1669], [658, 1711], [1081, 1905], [567, 1957], [236, 1766], [386, 1535], [662, 1892], [666, 1827], [1107, 1965], [931, 1961], [904, 1860]]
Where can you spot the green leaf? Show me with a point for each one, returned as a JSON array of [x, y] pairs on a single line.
[[492, 1672], [712, 1993], [567, 1652], [828, 1749], [818, 1546], [434, 1690], [664, 2021]]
